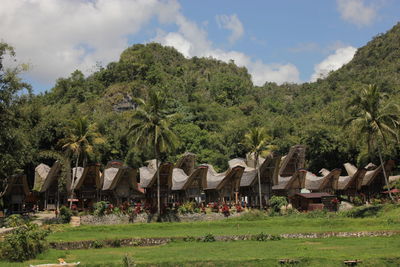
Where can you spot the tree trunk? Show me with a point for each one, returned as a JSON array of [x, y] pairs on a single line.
[[73, 181], [158, 183], [259, 181], [384, 174]]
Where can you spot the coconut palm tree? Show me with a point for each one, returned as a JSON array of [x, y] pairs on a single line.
[[151, 127], [375, 119], [257, 141], [79, 143]]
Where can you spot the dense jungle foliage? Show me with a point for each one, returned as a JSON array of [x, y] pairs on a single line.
[[215, 104]]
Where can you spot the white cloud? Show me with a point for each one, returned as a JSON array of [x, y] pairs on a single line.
[[333, 62], [191, 41], [356, 12], [59, 36], [233, 24]]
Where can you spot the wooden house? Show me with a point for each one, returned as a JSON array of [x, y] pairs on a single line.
[[15, 191]]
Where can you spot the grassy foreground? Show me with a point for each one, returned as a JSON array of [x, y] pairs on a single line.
[[373, 251], [386, 219]]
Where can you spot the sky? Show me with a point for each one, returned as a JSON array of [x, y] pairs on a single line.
[[277, 41]]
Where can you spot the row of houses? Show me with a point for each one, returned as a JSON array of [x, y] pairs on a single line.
[[185, 180]]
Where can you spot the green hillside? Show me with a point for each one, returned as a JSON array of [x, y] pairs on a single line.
[[216, 104]]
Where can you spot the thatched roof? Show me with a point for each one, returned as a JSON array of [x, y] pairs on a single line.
[[187, 163], [354, 178], [249, 173], [293, 161], [45, 176], [182, 181], [219, 180], [393, 179], [113, 175], [148, 175], [15, 184], [370, 176], [90, 174], [296, 181], [329, 180]]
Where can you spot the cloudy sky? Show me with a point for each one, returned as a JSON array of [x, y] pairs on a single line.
[[278, 41]]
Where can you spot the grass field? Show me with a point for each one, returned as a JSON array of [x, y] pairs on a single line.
[[387, 219], [373, 251]]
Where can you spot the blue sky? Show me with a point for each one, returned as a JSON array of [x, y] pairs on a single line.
[[279, 41]]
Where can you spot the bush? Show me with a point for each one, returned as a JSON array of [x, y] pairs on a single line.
[[65, 214], [363, 211], [189, 239], [128, 261], [24, 243], [209, 238], [14, 220], [261, 237], [277, 202], [357, 201], [187, 207], [317, 214], [97, 244], [252, 215], [100, 208], [116, 243]]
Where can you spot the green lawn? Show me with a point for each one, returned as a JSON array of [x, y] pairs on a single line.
[[271, 225], [373, 251]]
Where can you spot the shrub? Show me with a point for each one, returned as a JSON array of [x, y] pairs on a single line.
[[189, 239], [24, 243], [97, 244], [65, 214], [100, 208], [116, 243], [128, 261], [277, 202], [363, 211], [187, 207], [357, 201], [261, 237], [14, 220], [252, 215], [317, 214], [209, 238]]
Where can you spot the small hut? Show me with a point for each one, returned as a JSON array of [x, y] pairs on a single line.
[[314, 201], [249, 188], [119, 183], [15, 191], [47, 186], [291, 175], [87, 185], [326, 183], [148, 181], [223, 187], [350, 185], [188, 182]]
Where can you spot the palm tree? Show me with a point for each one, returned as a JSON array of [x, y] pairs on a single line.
[[256, 141], [151, 126], [79, 143], [375, 119]]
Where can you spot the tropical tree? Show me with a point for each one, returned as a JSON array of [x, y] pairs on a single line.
[[375, 120], [256, 142], [151, 127], [79, 143]]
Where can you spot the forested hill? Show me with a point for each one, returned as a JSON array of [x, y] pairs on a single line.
[[216, 104]]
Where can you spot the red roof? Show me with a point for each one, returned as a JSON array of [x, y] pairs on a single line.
[[393, 191], [314, 195]]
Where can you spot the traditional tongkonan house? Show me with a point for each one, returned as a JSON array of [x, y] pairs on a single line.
[[249, 188], [148, 181], [374, 180], [188, 182], [119, 184], [15, 190], [350, 185], [87, 185], [223, 187], [47, 185], [291, 178], [326, 183]]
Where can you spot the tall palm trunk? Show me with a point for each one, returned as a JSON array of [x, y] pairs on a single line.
[[384, 173], [73, 181], [259, 181], [158, 183]]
